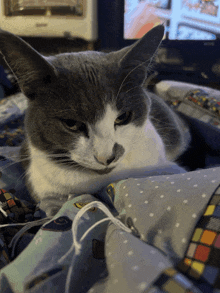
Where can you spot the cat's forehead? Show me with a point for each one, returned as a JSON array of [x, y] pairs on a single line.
[[90, 82], [89, 71], [78, 62], [85, 83]]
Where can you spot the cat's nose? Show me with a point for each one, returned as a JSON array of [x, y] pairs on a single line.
[[104, 160]]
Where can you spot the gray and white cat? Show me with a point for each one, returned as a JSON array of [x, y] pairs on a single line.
[[90, 120]]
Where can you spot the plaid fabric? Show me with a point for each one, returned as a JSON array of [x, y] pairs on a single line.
[[13, 211], [172, 281], [200, 105], [202, 258]]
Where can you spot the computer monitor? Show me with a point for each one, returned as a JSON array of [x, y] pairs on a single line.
[[183, 19], [191, 43]]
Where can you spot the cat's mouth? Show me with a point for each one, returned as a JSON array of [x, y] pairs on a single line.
[[103, 171], [65, 160]]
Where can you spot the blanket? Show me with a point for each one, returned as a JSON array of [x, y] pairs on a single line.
[[159, 233], [154, 234]]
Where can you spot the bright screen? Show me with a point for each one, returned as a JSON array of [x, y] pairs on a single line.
[[183, 19]]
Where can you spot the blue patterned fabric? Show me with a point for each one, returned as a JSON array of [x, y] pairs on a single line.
[[173, 217], [163, 213]]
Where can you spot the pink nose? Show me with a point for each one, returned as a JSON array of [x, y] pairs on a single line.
[[105, 160]]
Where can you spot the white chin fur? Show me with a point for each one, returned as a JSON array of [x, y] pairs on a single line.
[[48, 178]]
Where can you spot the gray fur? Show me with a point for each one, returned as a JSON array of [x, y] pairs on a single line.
[[79, 86]]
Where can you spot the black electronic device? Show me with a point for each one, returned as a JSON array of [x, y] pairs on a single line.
[[191, 46]]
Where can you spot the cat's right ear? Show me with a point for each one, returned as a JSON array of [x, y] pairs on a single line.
[[30, 68], [134, 60]]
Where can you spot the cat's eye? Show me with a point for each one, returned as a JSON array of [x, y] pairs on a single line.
[[74, 125], [124, 118]]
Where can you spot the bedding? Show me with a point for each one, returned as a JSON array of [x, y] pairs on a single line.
[[159, 233]]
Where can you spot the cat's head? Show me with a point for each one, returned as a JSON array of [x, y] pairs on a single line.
[[84, 108]]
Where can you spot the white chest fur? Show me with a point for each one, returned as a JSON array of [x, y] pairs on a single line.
[[49, 178]]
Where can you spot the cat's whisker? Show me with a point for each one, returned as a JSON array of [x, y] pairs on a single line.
[[67, 162], [20, 160], [165, 127], [164, 123], [63, 110], [16, 160], [73, 167], [168, 145], [63, 161], [139, 65], [8, 165], [16, 157], [160, 122], [153, 118], [137, 86], [137, 95], [20, 178], [57, 155]]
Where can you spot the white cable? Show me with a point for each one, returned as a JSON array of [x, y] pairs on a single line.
[[4, 212], [77, 244], [18, 235], [95, 204]]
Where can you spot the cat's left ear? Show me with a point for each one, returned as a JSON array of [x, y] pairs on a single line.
[[30, 68], [135, 59]]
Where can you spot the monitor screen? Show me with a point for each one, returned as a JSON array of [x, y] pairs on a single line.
[[183, 19]]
